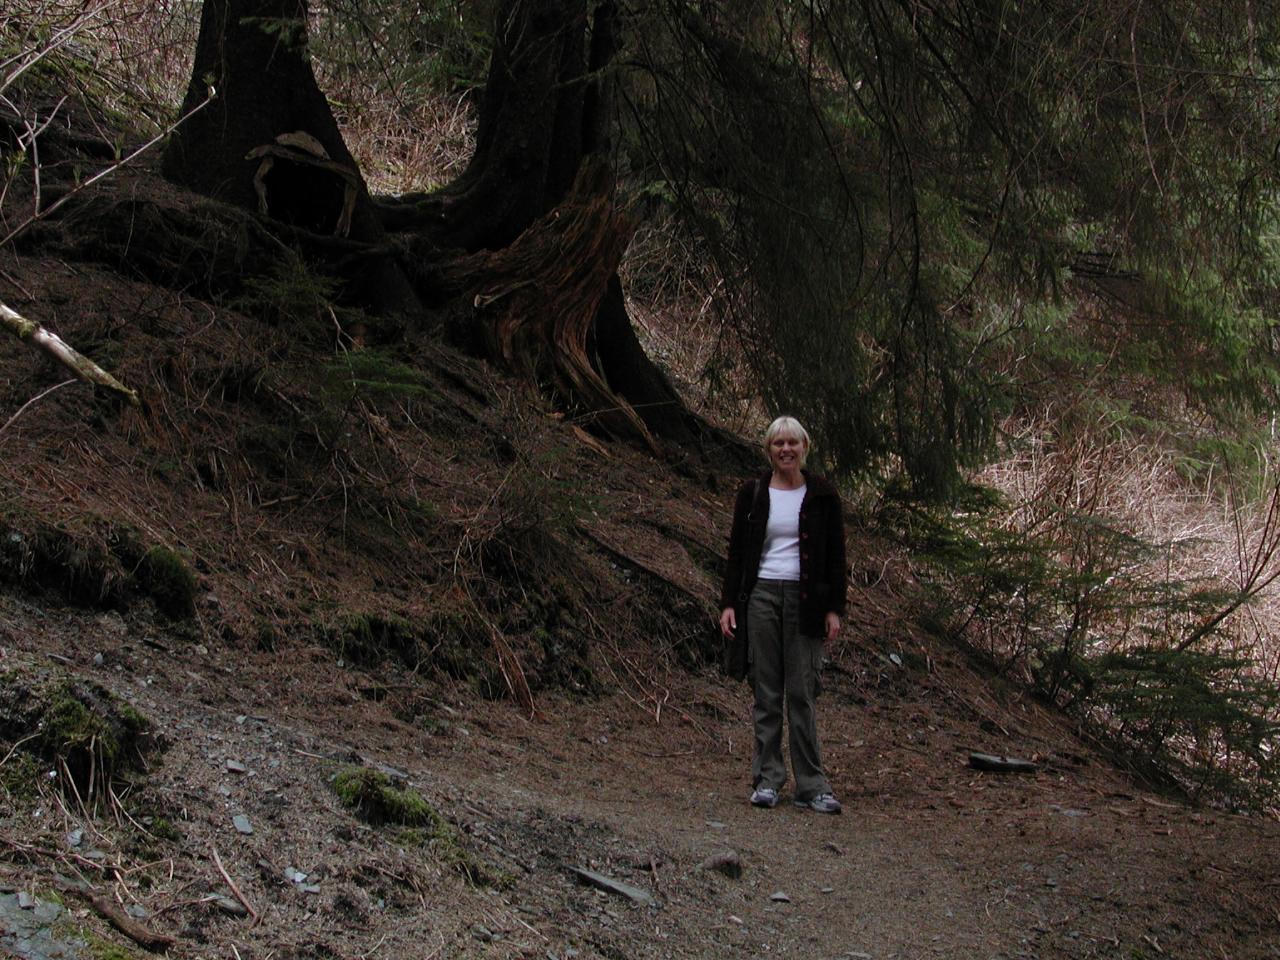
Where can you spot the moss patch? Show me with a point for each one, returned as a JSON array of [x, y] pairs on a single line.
[[92, 736], [377, 800], [165, 576]]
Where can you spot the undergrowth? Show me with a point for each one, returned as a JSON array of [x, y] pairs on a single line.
[[1147, 644]]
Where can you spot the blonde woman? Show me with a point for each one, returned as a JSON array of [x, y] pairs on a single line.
[[785, 585]]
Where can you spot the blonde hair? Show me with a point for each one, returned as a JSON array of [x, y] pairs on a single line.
[[789, 427]]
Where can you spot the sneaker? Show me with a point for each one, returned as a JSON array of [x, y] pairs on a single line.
[[764, 797], [821, 802]]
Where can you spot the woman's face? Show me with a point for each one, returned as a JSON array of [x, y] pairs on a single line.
[[786, 453]]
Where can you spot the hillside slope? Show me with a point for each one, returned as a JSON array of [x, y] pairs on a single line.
[[299, 557]]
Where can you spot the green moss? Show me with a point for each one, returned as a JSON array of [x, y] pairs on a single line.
[[92, 734], [99, 948], [376, 799], [165, 576], [162, 829], [373, 796], [18, 779]]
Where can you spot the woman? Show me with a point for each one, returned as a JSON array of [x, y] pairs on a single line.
[[786, 577]]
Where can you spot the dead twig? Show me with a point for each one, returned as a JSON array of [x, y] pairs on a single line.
[[232, 885], [38, 397]]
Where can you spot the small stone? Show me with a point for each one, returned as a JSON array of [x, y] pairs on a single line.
[[999, 764], [828, 889], [95, 855], [858, 955], [235, 766], [609, 885], [1067, 811], [26, 901], [309, 888], [137, 911], [715, 824], [202, 649], [98, 660], [780, 897], [241, 719], [242, 824], [483, 934], [75, 838], [233, 907], [224, 790]]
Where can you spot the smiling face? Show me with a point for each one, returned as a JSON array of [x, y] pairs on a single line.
[[786, 444], [787, 452]]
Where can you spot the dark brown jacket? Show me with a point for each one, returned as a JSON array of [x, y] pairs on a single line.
[[824, 576]]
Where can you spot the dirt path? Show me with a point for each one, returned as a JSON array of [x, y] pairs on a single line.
[[930, 859]]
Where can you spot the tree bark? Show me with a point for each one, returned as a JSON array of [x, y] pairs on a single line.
[[537, 300], [254, 54], [530, 135]]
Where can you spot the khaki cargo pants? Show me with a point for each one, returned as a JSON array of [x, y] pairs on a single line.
[[784, 670]]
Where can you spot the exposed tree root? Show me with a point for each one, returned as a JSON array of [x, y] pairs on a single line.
[[537, 299]]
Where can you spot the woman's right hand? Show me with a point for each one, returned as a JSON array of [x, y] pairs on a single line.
[[728, 622]]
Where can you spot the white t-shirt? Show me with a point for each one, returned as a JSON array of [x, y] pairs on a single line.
[[780, 559]]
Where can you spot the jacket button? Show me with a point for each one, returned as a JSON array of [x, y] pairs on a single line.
[[804, 536], [803, 595]]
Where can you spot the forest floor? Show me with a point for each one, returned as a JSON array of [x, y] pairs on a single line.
[[405, 562]]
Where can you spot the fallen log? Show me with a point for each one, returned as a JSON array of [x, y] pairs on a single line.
[[54, 346]]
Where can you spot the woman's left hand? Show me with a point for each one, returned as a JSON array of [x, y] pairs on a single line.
[[833, 626]]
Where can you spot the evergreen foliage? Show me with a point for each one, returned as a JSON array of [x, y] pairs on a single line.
[[930, 212], [1092, 618]]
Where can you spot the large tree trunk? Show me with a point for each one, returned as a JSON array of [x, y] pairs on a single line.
[[254, 53], [530, 136], [538, 298], [544, 121]]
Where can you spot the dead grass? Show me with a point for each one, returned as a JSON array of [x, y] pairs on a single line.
[[1211, 532]]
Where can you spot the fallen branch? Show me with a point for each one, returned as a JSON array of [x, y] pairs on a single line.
[[232, 884], [135, 931], [31, 332]]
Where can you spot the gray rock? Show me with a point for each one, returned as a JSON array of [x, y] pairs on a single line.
[[780, 897], [996, 764], [242, 824], [1067, 811], [75, 837], [137, 911], [235, 766], [233, 907], [26, 901], [609, 885]]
